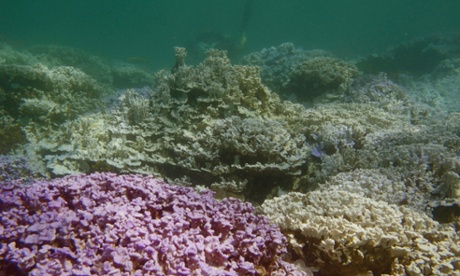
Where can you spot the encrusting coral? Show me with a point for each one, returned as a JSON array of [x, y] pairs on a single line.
[[343, 233], [132, 225]]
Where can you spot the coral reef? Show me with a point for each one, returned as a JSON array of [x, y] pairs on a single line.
[[108, 74], [53, 56], [127, 75], [381, 126], [442, 88], [378, 162], [217, 125], [343, 233], [132, 225], [111, 74], [214, 123], [45, 86], [9, 55]]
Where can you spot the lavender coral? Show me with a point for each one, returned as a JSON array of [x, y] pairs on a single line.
[[132, 225]]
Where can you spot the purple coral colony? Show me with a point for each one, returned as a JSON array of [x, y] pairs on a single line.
[[108, 169], [132, 225]]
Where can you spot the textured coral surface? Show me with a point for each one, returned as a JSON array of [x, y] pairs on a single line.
[[132, 225], [343, 233]]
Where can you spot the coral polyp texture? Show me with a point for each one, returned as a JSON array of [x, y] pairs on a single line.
[[343, 233], [104, 224]]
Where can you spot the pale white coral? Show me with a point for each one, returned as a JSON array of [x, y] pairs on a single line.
[[349, 234], [371, 183]]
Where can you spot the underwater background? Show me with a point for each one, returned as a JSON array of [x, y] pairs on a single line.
[[149, 29], [241, 137]]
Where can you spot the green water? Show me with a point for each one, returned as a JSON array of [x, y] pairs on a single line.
[[149, 29]]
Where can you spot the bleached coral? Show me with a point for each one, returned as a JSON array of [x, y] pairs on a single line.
[[237, 143], [218, 125], [214, 123], [371, 183], [51, 84], [450, 186], [343, 233]]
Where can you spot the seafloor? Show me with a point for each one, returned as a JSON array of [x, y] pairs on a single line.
[[355, 161]]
